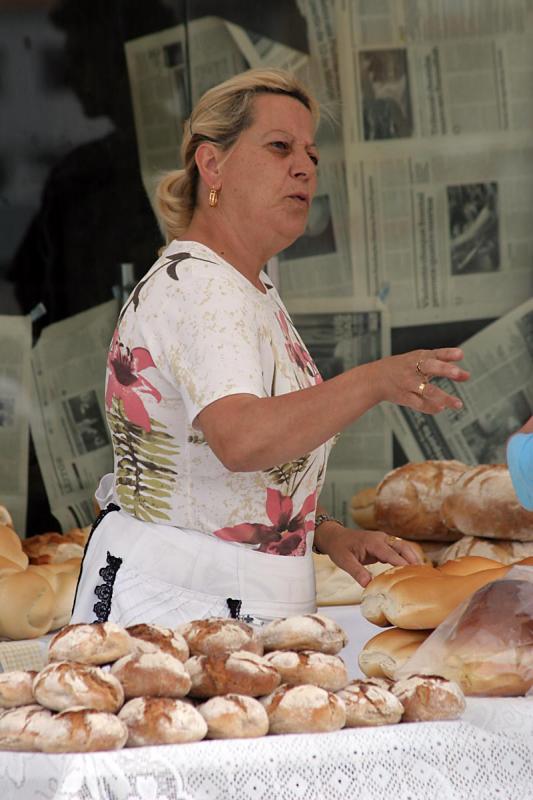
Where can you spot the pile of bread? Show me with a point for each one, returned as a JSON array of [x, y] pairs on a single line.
[[489, 649], [38, 578], [450, 509], [106, 687]]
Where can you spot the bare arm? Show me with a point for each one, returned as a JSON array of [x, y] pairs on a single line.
[[249, 433]]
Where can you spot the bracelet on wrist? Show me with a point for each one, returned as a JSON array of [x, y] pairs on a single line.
[[319, 519]]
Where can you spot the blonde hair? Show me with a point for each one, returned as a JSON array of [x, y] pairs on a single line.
[[220, 116]]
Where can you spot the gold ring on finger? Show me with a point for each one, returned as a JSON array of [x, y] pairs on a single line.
[[419, 369], [422, 388], [392, 539]]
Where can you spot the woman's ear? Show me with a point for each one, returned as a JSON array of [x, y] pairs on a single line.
[[208, 157]]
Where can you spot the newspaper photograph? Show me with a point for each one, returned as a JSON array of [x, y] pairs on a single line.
[[68, 424], [164, 68], [497, 399], [416, 69], [15, 394], [339, 339], [443, 231]]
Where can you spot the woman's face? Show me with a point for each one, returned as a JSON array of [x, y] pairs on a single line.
[[269, 178]]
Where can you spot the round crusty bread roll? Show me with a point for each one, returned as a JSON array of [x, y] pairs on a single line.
[[161, 720], [429, 697], [11, 547], [367, 705], [216, 636], [21, 728], [154, 638], [362, 508], [304, 709], [502, 550], [307, 666], [27, 605], [63, 578], [51, 548], [152, 675], [234, 716], [304, 632], [386, 652], [90, 643], [484, 503], [409, 498], [241, 672], [65, 684], [16, 688], [81, 730]]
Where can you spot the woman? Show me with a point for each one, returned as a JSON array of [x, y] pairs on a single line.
[[221, 423]]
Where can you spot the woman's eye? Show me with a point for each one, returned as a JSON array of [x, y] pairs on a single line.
[[314, 159], [283, 146]]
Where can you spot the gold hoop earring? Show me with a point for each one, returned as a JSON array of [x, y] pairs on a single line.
[[213, 197]]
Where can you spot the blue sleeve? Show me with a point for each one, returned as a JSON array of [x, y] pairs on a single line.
[[520, 463]]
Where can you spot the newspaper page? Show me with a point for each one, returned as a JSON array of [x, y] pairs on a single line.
[[444, 232], [68, 425], [345, 336], [422, 68], [497, 399], [15, 393], [161, 69]]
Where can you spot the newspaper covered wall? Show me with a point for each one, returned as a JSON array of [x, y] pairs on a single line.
[[339, 338], [497, 399], [15, 394], [437, 110], [68, 416]]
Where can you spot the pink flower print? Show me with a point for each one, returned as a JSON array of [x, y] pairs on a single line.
[[286, 536], [297, 352], [125, 381]]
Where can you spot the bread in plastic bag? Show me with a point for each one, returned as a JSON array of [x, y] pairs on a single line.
[[486, 644]]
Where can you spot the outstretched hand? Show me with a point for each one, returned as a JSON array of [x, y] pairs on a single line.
[[406, 379], [351, 549]]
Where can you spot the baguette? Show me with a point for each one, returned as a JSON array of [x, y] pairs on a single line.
[[386, 652]]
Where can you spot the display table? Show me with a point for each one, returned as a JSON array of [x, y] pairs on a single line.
[[487, 755]]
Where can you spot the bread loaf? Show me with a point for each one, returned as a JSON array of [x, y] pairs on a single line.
[[64, 684], [154, 638], [386, 652], [81, 730], [5, 517], [368, 705], [161, 720], [503, 550], [63, 579], [95, 643], [418, 603], [304, 709], [234, 716], [483, 503], [11, 547], [51, 548], [16, 688], [362, 508], [490, 650], [210, 637], [427, 698], [409, 498], [27, 606], [152, 675], [307, 666], [22, 728], [241, 672], [305, 632]]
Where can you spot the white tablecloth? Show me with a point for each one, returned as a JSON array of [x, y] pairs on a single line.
[[487, 755]]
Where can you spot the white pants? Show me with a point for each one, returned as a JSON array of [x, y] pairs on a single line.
[[136, 571]]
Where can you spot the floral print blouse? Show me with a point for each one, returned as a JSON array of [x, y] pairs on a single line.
[[195, 330]]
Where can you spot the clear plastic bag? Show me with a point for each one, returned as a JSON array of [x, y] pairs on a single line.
[[486, 644]]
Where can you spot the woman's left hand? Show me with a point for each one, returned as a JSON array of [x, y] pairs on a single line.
[[350, 549]]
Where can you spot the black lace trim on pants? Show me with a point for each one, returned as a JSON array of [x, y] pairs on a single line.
[[99, 518]]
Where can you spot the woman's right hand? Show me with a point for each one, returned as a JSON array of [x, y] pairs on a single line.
[[405, 379]]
